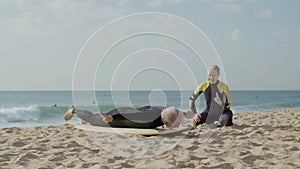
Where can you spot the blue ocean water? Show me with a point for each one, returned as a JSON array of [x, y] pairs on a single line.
[[38, 108]]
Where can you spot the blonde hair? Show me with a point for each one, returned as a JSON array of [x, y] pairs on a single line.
[[215, 68]]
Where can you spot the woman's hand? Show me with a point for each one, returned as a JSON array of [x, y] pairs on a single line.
[[197, 117], [217, 99]]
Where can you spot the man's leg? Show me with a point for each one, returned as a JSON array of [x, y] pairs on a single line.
[[93, 119], [87, 116]]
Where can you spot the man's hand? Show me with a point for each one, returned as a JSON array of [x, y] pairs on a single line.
[[217, 99], [105, 117]]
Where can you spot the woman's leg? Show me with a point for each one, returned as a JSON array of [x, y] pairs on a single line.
[[203, 117], [226, 118]]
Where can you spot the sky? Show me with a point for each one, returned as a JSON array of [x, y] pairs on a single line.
[[60, 44]]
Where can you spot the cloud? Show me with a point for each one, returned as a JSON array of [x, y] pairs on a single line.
[[266, 13], [55, 17], [235, 34], [222, 7], [159, 3], [177, 1], [155, 3], [123, 2], [287, 33]]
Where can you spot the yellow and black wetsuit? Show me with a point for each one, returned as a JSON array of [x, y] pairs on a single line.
[[213, 111]]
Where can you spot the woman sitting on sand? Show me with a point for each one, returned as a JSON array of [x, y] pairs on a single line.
[[217, 98], [127, 117]]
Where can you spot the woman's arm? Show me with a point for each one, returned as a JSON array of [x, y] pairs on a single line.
[[192, 100]]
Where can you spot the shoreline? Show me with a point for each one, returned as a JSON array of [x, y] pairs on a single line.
[[268, 139]]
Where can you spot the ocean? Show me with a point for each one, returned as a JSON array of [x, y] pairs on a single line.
[[39, 108]]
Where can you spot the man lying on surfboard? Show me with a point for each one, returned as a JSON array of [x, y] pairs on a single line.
[[148, 117]]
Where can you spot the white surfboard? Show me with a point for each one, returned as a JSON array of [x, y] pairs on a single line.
[[134, 131]]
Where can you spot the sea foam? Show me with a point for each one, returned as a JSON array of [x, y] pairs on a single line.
[[19, 114]]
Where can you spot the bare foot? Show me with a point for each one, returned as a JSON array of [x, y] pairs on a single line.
[[82, 121], [69, 114], [105, 117]]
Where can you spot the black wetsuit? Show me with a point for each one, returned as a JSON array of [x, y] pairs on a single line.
[[213, 111], [126, 117]]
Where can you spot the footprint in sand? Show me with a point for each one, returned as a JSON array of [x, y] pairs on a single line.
[[3, 141], [249, 159], [19, 144], [293, 148], [223, 166], [4, 158], [24, 158]]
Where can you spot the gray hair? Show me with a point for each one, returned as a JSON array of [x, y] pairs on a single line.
[[214, 67], [170, 115]]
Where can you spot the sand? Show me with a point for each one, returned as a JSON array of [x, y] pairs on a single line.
[[265, 139]]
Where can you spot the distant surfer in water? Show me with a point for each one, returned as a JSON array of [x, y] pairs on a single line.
[[128, 117]]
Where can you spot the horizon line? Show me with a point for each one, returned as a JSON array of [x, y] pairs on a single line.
[[58, 90]]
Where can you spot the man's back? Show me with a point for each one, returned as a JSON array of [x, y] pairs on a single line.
[[143, 117]]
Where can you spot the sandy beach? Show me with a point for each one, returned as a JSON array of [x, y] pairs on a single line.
[[264, 139]]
